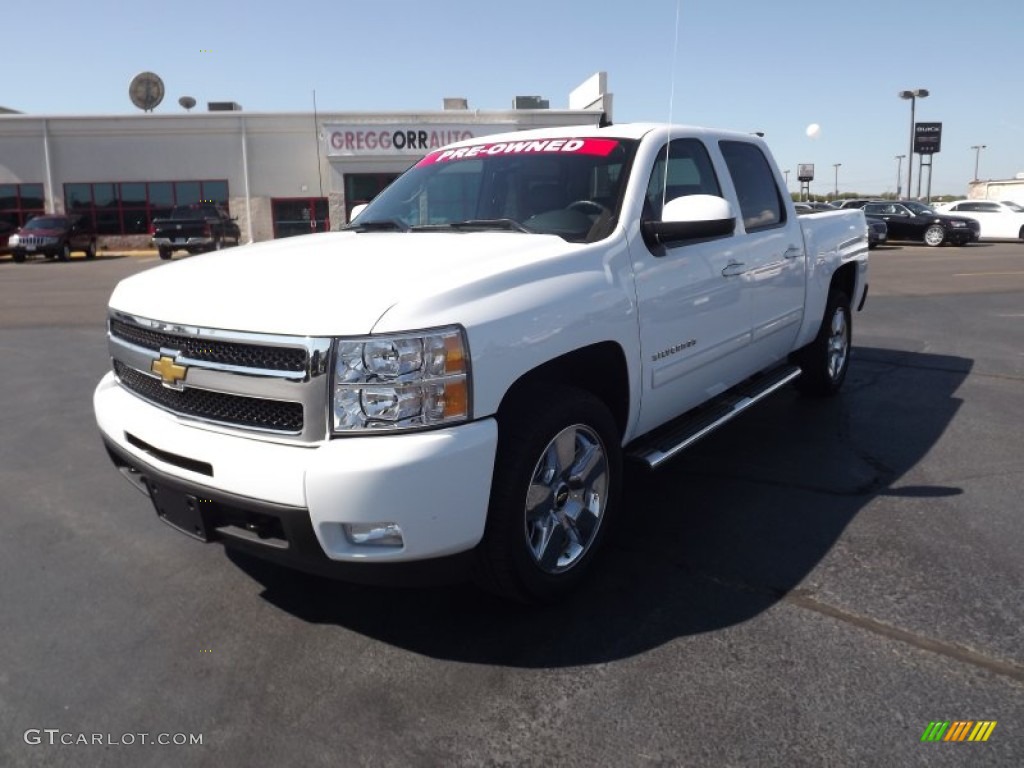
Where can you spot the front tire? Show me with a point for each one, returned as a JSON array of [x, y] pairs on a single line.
[[555, 490], [825, 360], [934, 235], [65, 252]]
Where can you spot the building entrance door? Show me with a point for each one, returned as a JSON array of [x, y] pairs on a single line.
[[299, 215], [363, 187]]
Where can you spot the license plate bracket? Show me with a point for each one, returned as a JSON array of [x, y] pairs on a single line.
[[180, 510]]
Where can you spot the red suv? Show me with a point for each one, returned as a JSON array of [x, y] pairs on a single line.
[[54, 235]]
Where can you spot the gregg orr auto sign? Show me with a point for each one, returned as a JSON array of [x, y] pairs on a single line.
[[400, 139]]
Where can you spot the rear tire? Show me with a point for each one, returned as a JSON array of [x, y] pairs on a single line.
[[90, 251], [825, 360], [165, 253], [557, 478]]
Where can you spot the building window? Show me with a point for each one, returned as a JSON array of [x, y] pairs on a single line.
[[128, 208], [20, 202]]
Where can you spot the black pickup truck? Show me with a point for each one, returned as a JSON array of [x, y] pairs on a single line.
[[195, 228]]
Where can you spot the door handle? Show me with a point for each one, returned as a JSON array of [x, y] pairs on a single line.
[[733, 269], [793, 252]]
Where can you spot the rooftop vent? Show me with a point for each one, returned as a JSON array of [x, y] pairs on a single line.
[[223, 106], [530, 102], [455, 102]]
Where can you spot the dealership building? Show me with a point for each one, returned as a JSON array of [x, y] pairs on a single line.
[[279, 174]]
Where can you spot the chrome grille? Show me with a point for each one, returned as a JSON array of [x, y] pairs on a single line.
[[214, 406], [224, 352], [270, 386], [36, 240]]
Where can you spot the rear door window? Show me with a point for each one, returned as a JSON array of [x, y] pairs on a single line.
[[760, 201]]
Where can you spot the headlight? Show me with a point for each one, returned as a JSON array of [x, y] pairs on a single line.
[[958, 224], [400, 382], [13, 240]]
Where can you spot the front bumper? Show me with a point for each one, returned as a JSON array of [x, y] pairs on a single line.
[[289, 502], [38, 250]]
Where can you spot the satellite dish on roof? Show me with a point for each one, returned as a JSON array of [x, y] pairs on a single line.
[[146, 90], [187, 102]]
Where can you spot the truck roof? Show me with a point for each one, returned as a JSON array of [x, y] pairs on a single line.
[[616, 131]]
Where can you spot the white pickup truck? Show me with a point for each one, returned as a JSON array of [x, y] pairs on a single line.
[[456, 379]]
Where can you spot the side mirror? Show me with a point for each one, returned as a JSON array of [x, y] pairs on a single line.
[[356, 210], [692, 217]]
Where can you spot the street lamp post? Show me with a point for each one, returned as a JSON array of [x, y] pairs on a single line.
[[899, 179], [836, 195], [914, 95], [977, 156]]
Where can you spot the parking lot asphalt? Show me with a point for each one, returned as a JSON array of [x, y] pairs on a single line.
[[811, 585]]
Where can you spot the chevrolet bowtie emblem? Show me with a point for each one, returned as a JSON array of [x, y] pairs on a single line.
[[170, 372]]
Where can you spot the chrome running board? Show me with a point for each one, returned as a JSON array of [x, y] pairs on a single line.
[[675, 437]]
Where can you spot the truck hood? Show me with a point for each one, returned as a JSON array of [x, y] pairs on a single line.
[[328, 284]]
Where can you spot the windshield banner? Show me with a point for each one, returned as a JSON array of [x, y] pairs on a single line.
[[599, 147]]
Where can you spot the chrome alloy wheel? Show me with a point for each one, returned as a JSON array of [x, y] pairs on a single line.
[[934, 235], [838, 343], [566, 501]]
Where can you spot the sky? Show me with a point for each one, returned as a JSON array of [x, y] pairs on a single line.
[[749, 65]]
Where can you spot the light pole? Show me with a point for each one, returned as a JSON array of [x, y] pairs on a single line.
[[899, 180], [836, 195], [786, 174], [977, 156], [914, 95]]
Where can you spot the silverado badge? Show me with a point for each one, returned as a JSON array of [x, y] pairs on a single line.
[[171, 374]]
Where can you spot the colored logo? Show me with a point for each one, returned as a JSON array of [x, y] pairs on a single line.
[[958, 730], [170, 372]]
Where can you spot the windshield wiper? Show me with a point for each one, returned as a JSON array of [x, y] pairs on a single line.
[[509, 225], [380, 225]]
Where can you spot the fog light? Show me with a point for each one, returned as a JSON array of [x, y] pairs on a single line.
[[374, 534]]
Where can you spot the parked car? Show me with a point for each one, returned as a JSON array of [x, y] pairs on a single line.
[[54, 235], [911, 220], [999, 221], [855, 202], [878, 231], [7, 228]]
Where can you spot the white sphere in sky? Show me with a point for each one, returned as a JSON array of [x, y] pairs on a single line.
[[813, 131]]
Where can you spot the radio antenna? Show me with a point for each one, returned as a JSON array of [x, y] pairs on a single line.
[[671, 105]]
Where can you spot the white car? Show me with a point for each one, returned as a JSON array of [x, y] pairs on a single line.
[[998, 220]]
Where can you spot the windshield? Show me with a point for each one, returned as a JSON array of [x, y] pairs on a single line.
[[566, 187], [919, 208], [1014, 206], [47, 223]]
